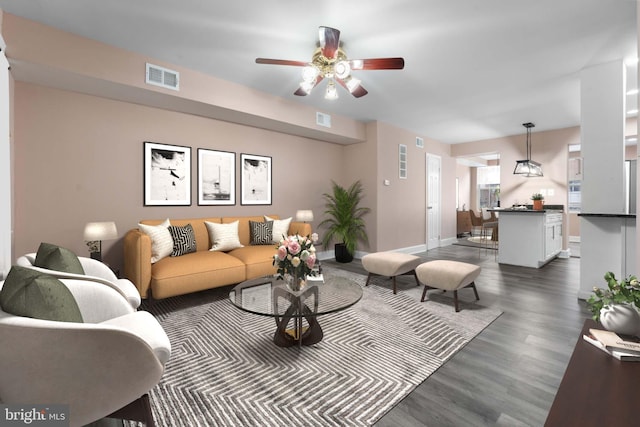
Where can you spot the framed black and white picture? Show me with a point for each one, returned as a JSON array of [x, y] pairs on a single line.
[[256, 179], [216, 177], [167, 175]]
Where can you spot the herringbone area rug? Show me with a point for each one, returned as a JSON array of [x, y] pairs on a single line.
[[226, 371]]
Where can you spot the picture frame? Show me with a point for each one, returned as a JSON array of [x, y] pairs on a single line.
[[216, 177], [167, 174], [256, 179]]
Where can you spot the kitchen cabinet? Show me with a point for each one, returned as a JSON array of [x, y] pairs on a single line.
[[529, 238]]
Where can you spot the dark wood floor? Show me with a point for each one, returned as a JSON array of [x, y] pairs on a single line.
[[509, 374]]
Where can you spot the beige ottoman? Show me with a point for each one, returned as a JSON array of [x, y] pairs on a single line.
[[448, 276], [390, 264]]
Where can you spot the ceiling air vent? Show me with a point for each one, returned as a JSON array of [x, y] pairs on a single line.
[[323, 119], [160, 76]]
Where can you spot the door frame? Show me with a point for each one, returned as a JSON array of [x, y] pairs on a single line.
[[430, 242]]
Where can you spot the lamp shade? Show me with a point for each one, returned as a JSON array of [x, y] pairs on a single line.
[[100, 231], [304, 216]]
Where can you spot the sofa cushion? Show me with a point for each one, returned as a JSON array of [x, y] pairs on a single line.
[[258, 260], [161, 241], [30, 293], [194, 272], [54, 257], [261, 233], [224, 237], [184, 240], [280, 228]]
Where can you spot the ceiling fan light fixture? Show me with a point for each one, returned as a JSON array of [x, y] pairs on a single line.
[[342, 69], [310, 73], [307, 86], [332, 91], [352, 83]]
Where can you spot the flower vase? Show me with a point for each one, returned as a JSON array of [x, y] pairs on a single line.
[[538, 205], [621, 318], [295, 282]]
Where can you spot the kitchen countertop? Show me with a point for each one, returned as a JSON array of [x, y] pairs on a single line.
[[524, 210], [607, 215]]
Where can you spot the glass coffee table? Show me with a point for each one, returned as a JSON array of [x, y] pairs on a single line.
[[269, 296]]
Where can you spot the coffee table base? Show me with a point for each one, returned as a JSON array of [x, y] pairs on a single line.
[[299, 335]]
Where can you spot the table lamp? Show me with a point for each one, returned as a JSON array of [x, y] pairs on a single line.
[[95, 233], [304, 215]]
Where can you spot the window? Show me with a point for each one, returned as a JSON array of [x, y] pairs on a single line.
[[488, 178], [575, 198]]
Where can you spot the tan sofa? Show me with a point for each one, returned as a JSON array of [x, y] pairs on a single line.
[[203, 269]]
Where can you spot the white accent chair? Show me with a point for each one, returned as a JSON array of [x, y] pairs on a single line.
[[94, 271], [104, 366]]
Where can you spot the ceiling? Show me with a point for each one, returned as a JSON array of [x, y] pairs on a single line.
[[474, 69]]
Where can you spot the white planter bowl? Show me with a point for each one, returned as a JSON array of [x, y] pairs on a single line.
[[621, 319]]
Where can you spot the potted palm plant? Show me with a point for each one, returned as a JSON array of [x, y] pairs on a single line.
[[344, 223]]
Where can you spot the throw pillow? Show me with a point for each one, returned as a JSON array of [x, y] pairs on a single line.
[[280, 228], [27, 292], [224, 237], [161, 241], [261, 233], [54, 257], [184, 239]]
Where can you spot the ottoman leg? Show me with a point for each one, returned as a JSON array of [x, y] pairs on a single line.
[[416, 277], [394, 284], [424, 293], [475, 291], [368, 278], [455, 300]]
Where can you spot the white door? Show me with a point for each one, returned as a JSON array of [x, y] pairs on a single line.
[[433, 201]]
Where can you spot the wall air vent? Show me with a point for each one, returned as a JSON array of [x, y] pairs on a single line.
[[323, 119], [163, 77]]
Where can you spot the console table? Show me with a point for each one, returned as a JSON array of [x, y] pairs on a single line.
[[596, 390]]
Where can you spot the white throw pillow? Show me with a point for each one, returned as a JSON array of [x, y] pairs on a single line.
[[280, 228], [161, 240], [224, 237]]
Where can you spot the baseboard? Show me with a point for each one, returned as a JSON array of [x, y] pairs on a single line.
[[583, 294], [565, 253], [449, 241], [574, 239]]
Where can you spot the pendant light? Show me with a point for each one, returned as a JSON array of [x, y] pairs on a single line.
[[528, 167]]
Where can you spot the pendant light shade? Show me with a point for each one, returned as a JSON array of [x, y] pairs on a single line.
[[528, 167]]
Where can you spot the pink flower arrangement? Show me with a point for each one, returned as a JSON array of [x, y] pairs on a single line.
[[296, 256]]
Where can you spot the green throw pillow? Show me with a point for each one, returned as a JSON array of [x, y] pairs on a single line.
[[27, 292], [54, 257]]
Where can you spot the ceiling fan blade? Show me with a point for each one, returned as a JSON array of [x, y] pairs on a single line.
[[377, 64], [302, 92], [329, 41], [357, 91], [281, 62]]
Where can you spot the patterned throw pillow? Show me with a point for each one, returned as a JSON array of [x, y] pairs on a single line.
[[224, 237], [280, 228], [184, 239], [261, 233], [161, 241]]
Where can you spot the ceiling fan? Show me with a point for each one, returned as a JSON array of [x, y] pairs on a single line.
[[330, 62]]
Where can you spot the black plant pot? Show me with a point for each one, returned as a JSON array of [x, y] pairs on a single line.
[[342, 254]]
